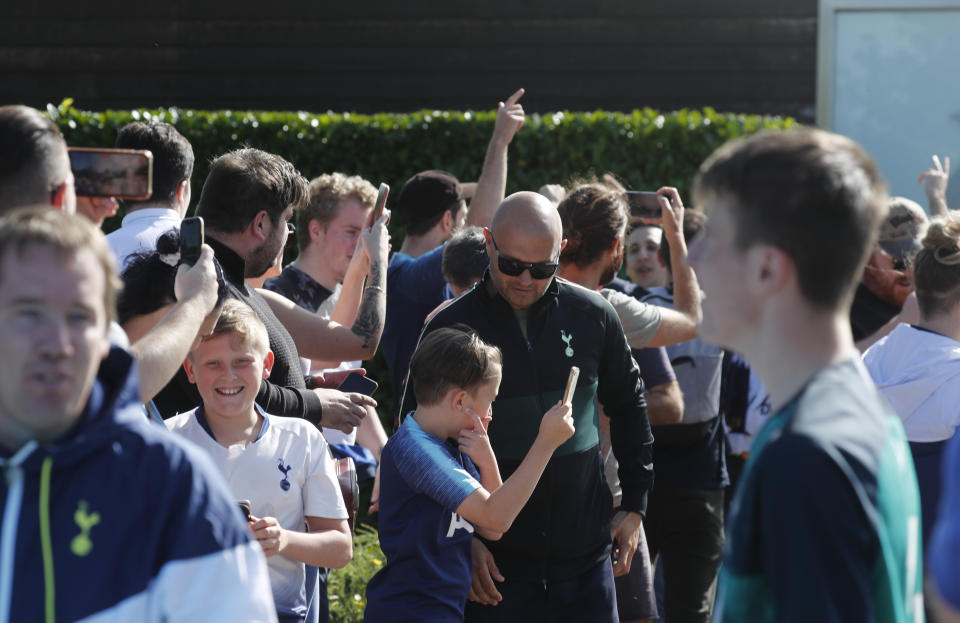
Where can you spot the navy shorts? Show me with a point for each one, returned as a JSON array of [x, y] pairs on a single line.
[[587, 598]]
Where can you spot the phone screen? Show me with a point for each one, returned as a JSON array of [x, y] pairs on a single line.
[[379, 205], [358, 383], [119, 173], [191, 239], [644, 204], [246, 510]]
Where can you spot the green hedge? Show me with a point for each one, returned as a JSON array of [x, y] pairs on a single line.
[[645, 148]]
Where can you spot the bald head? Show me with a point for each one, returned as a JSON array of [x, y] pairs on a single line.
[[530, 213], [34, 166], [524, 246]]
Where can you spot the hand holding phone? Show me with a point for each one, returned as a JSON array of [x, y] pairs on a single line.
[[357, 383], [645, 204]]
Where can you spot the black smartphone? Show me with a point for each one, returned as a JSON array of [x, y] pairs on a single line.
[[379, 205], [358, 383], [246, 510], [119, 173], [644, 204], [191, 239]]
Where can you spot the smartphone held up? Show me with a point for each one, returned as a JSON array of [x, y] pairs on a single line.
[[191, 239], [117, 173], [380, 204], [645, 204]]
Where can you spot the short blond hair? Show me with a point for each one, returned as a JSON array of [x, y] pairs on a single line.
[[327, 192], [238, 319]]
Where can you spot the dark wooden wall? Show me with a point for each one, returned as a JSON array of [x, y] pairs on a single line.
[[380, 55]]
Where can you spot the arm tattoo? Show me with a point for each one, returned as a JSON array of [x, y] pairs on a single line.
[[373, 307]]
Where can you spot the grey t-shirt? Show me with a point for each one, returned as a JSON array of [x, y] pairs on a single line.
[[640, 320]]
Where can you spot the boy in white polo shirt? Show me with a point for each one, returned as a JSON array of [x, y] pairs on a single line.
[[281, 465]]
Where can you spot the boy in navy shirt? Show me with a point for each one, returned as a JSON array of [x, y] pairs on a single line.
[[440, 480]]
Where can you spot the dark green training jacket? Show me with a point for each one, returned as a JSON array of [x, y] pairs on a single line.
[[564, 529]]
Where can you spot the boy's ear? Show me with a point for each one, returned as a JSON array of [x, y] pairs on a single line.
[[188, 368], [267, 364], [457, 397]]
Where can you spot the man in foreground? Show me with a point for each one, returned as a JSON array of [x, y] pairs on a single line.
[[825, 524], [104, 514]]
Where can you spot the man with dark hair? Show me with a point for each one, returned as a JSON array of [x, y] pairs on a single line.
[[825, 522], [431, 206], [594, 221], [144, 221], [133, 524], [556, 557], [246, 203], [465, 259], [34, 165]]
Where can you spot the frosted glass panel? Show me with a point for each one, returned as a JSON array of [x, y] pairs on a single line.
[[896, 91]]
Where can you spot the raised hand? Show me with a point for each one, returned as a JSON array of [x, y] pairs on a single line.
[[934, 182], [376, 240], [935, 179], [557, 424], [671, 217], [199, 280], [510, 117]]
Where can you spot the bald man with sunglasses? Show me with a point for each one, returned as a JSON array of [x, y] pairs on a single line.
[[554, 564]]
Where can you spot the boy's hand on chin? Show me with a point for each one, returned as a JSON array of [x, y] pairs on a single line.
[[475, 443]]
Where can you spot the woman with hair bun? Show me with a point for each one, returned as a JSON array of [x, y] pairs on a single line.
[[917, 367]]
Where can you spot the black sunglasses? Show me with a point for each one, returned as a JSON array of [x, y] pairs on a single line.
[[514, 268]]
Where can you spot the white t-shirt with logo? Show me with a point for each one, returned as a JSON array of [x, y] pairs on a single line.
[[287, 473]]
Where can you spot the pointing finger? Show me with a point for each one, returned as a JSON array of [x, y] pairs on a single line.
[[477, 422], [516, 96]]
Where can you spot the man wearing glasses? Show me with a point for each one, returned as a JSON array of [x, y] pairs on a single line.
[[554, 563]]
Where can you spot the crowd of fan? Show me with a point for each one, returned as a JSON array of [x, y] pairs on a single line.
[[144, 397]]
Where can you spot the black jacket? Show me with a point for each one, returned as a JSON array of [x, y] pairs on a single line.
[[565, 527]]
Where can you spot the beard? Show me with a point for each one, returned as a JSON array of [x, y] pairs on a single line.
[[614, 267], [262, 258]]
